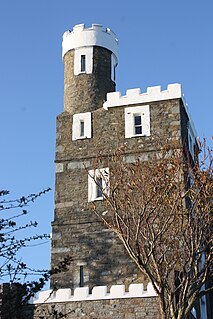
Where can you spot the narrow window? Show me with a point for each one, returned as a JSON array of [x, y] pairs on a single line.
[[114, 73], [81, 283], [83, 63], [81, 128], [137, 124], [190, 144], [99, 185]]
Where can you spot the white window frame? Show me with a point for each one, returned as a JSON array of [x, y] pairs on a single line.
[[88, 52], [76, 126], [130, 113], [93, 186]]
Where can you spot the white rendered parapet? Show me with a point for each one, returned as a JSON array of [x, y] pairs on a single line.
[[87, 37], [134, 96], [98, 292]]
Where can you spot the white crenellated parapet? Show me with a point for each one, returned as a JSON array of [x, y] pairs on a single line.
[[134, 96], [98, 293], [88, 37], [152, 94]]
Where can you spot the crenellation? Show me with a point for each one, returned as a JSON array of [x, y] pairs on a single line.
[[98, 292], [134, 96], [96, 35]]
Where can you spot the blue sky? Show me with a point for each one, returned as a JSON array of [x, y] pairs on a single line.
[[160, 42]]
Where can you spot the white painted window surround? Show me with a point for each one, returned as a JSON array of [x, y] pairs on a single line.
[[93, 188], [78, 119], [130, 113], [88, 53]]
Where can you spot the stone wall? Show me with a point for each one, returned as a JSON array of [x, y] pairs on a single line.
[[92, 246], [135, 308], [87, 92], [76, 229], [108, 132], [136, 303]]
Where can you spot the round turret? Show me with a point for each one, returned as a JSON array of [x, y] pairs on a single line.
[[90, 59]]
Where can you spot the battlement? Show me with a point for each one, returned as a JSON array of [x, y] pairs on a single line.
[[152, 94], [87, 37], [134, 96], [98, 293]]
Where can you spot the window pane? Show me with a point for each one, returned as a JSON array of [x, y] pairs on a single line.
[[81, 128], [137, 119], [138, 130], [83, 63], [81, 283], [99, 182]]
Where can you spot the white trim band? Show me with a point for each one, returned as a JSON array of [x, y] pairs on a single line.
[[134, 96], [87, 37], [98, 293]]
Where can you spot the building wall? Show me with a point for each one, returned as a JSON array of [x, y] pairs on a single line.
[[135, 308], [76, 228], [108, 132]]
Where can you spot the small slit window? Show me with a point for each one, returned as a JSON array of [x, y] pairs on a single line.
[[114, 63], [114, 73], [191, 140], [82, 128], [81, 283], [83, 63]]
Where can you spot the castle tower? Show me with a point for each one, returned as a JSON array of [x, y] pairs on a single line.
[[96, 120], [90, 59]]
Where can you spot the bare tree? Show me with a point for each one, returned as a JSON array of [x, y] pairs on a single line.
[[161, 210]]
